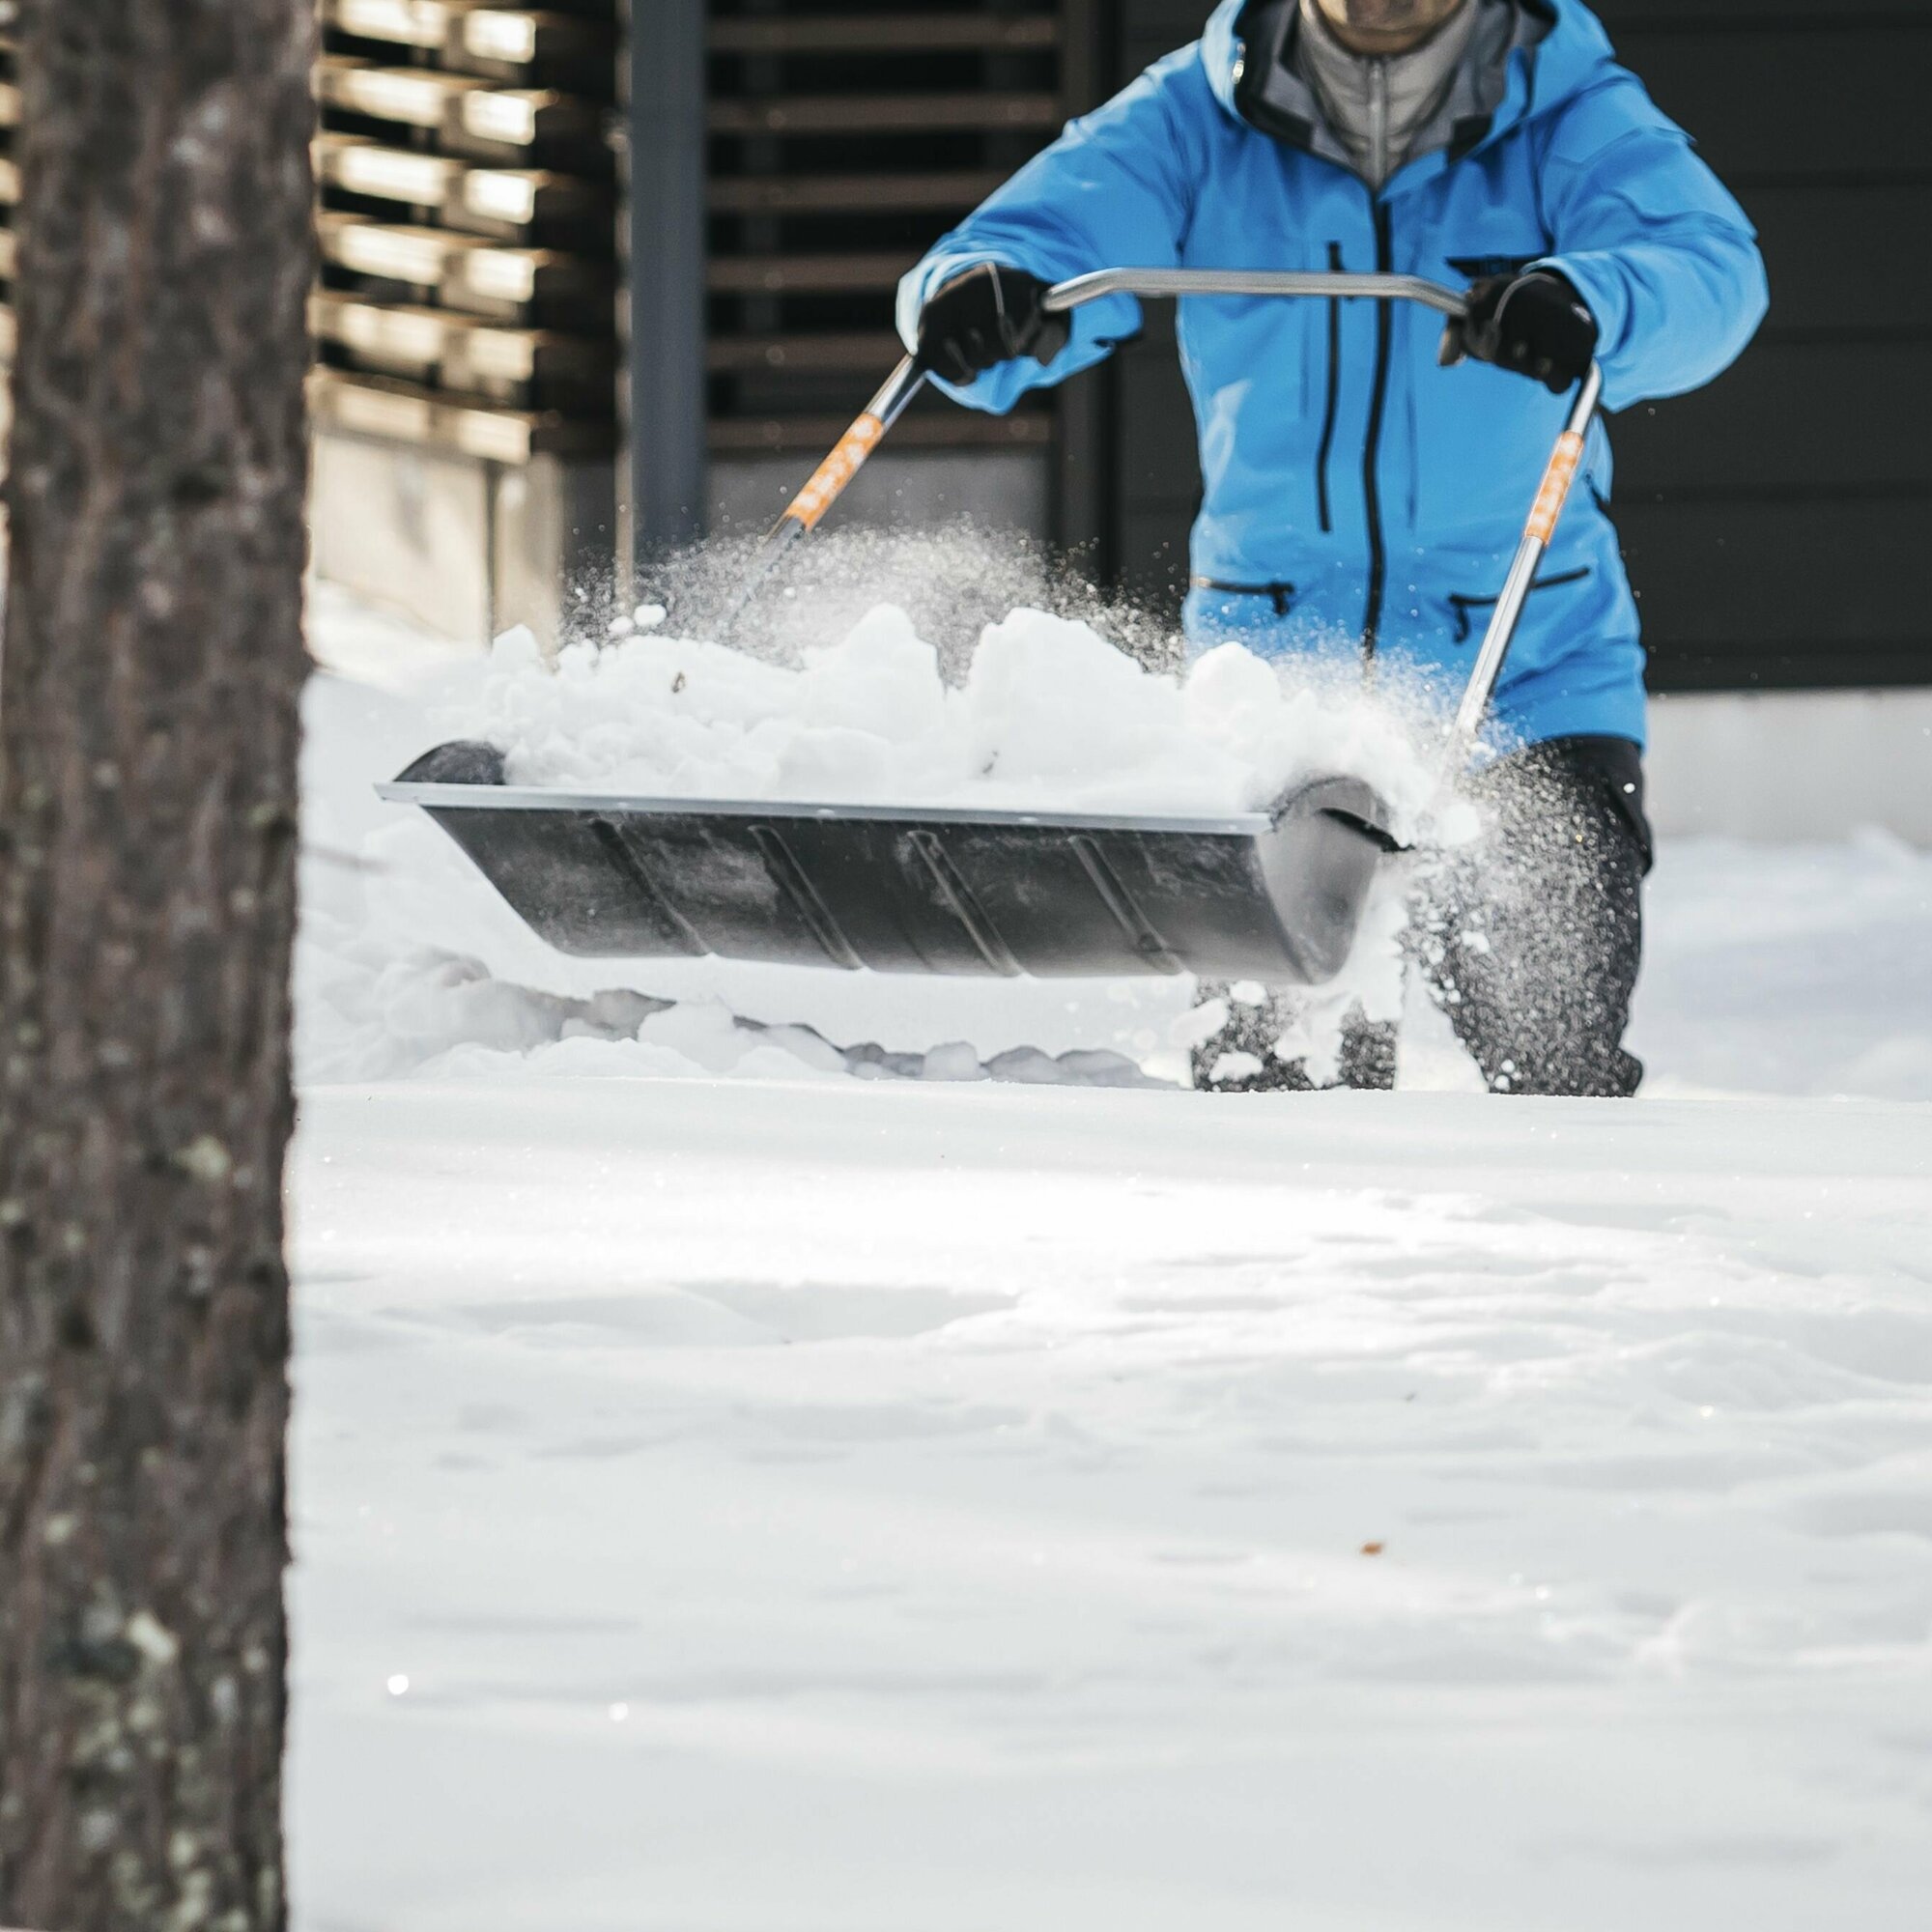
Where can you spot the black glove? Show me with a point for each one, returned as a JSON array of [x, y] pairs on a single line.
[[987, 316], [1536, 325]]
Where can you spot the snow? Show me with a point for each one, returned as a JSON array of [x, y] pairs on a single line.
[[1051, 715], [734, 1494]]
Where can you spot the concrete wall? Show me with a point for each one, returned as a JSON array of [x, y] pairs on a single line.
[[1000, 490], [1793, 765], [463, 546]]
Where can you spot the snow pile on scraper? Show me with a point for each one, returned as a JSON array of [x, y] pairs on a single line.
[[1063, 812], [1247, 846]]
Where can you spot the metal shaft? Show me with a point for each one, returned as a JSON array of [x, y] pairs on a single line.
[[828, 484], [1558, 479]]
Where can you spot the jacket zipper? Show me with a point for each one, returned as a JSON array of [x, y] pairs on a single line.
[[1372, 487], [1378, 122], [1466, 607], [1334, 399]]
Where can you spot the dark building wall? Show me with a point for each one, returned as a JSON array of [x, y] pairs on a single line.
[[1773, 523]]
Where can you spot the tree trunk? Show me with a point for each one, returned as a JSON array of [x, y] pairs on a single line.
[[149, 691]]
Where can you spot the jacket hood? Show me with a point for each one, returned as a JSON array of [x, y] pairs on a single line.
[[1565, 50]]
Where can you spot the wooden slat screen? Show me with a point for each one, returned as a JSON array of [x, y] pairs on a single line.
[[468, 224], [845, 137]]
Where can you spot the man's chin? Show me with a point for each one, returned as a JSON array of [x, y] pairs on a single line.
[[1386, 26]]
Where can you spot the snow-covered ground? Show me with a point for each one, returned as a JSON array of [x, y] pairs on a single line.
[[734, 1495]]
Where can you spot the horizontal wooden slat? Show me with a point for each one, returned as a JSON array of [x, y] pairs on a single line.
[[740, 355], [455, 352], [10, 254], [397, 251], [851, 194], [1745, 665], [517, 37], [401, 413], [480, 277], [884, 113], [10, 180], [1736, 595], [805, 274], [407, 23], [1754, 103], [944, 30], [492, 201], [950, 428], [1791, 418], [417, 97], [1752, 15], [462, 108], [1834, 261], [472, 31]]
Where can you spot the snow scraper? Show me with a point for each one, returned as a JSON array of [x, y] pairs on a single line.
[[1275, 895]]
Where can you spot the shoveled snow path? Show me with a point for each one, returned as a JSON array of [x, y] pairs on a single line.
[[844, 1508]]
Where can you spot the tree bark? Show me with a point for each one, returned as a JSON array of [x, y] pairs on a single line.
[[149, 691]]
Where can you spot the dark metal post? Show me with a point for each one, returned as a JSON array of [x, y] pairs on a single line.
[[1085, 514], [665, 247]]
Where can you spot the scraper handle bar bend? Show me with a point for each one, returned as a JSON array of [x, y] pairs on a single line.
[[809, 509]]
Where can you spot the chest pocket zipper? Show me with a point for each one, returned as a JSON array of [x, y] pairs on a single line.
[[1334, 404], [1281, 594], [1466, 607]]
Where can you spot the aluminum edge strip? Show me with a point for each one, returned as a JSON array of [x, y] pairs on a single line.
[[526, 798]]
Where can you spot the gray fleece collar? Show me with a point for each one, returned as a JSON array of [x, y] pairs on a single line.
[[1272, 93], [1384, 110]]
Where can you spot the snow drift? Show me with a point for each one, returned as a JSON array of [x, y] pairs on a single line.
[[1798, 971], [1051, 716]]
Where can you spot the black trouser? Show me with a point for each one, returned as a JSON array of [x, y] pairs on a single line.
[[1529, 939]]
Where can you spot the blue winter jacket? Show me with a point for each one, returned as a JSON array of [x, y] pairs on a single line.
[[1377, 496]]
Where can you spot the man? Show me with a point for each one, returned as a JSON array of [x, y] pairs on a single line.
[[1356, 490]]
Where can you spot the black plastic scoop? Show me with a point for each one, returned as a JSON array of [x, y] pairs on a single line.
[[1275, 896]]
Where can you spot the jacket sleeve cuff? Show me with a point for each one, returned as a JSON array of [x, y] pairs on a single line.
[[1598, 280], [917, 288], [1096, 329]]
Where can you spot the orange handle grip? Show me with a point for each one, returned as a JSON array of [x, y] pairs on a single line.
[[828, 485], [1558, 480]]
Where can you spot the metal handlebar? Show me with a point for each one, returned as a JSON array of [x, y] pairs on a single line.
[[1155, 283], [829, 482], [1558, 479]]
